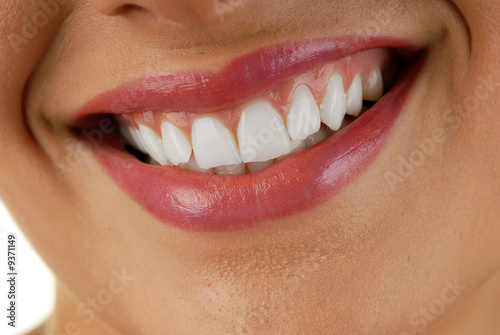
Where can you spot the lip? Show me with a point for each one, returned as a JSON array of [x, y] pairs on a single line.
[[240, 80], [200, 202]]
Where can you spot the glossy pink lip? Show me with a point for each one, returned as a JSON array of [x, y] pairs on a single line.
[[241, 80], [200, 202]]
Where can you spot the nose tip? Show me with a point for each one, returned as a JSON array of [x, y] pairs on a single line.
[[184, 12]]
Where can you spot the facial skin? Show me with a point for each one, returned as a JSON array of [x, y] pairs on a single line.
[[420, 255]]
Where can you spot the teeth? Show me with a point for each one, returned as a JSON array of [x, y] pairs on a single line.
[[236, 169], [355, 97], [374, 86], [303, 116], [262, 135], [127, 133], [137, 141], [192, 165], [259, 166], [316, 138], [153, 145], [296, 146], [334, 104], [151, 161], [213, 144], [175, 144]]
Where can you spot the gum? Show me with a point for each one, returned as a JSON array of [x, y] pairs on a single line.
[[280, 97]]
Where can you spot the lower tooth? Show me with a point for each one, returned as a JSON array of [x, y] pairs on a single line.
[[237, 169], [296, 146], [192, 165], [259, 166], [151, 161], [316, 138]]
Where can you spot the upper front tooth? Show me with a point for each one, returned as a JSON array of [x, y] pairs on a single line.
[[374, 86], [213, 144], [303, 116], [355, 97], [333, 107], [175, 144], [262, 135], [153, 144]]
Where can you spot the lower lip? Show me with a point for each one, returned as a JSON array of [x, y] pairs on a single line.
[[209, 203]]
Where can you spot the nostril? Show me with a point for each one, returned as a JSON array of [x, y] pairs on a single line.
[[127, 9], [115, 7]]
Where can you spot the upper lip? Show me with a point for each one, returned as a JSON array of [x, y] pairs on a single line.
[[242, 79]]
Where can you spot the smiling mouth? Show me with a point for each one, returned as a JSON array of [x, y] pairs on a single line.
[[273, 133], [248, 138]]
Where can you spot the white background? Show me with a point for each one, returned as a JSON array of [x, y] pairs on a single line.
[[35, 286]]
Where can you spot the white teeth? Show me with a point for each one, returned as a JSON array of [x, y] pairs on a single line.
[[127, 133], [303, 116], [153, 145], [236, 169], [192, 165], [334, 104], [316, 138], [175, 144], [262, 135], [213, 144], [296, 146], [137, 141], [355, 97], [151, 161], [374, 86], [259, 166]]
